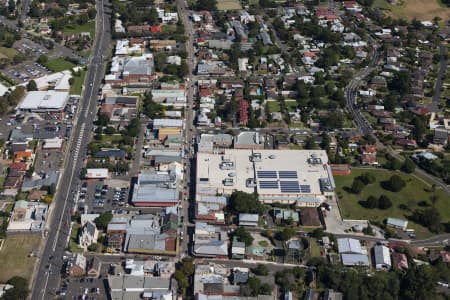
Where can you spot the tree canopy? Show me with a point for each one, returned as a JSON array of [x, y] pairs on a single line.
[[242, 202], [103, 220]]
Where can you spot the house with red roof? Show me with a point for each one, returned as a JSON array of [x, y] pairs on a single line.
[[243, 112], [156, 29]]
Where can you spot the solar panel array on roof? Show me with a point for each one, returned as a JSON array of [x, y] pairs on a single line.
[[267, 174], [268, 184], [288, 174], [305, 188], [289, 187]]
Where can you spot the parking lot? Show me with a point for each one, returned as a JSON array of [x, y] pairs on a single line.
[[89, 288], [26, 71], [96, 196], [41, 124]]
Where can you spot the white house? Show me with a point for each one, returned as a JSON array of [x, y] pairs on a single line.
[[88, 235]]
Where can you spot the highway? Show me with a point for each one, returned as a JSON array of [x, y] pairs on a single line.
[[58, 228]]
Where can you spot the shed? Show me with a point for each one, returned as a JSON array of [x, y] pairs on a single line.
[[382, 257], [397, 223], [248, 220]]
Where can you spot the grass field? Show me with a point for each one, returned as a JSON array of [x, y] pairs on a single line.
[[73, 242], [273, 106], [59, 64], [8, 52], [415, 191], [75, 89], [88, 27], [228, 5], [14, 260], [291, 105], [419, 9]]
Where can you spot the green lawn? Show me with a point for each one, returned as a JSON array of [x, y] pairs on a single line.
[[8, 52], [291, 105], [415, 191], [273, 106], [75, 89], [59, 64], [14, 256], [88, 27], [314, 248], [73, 242]]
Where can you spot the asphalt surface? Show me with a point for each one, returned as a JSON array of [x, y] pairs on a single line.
[[352, 89], [434, 105], [189, 128], [24, 10], [58, 231]]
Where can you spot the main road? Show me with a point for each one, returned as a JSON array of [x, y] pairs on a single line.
[[188, 198], [58, 229]]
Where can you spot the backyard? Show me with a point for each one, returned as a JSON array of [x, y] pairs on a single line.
[[415, 195], [14, 256]]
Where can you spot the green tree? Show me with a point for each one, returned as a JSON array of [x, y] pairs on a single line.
[[242, 202], [310, 143], [357, 186], [32, 86], [261, 270], [103, 220], [287, 233], [384, 202], [243, 236], [102, 120], [210, 5], [419, 282], [93, 247], [395, 183], [371, 202], [408, 166], [42, 59], [133, 127], [19, 290], [368, 178], [92, 12]]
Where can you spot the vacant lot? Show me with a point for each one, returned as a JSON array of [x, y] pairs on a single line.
[[404, 202], [75, 28], [14, 260], [228, 5], [410, 9], [59, 64], [8, 52]]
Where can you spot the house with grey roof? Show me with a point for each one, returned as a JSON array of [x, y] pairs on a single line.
[[352, 253], [139, 287], [154, 189], [37, 182], [248, 220]]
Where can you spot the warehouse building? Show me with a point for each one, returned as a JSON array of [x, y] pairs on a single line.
[[44, 101], [301, 177]]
